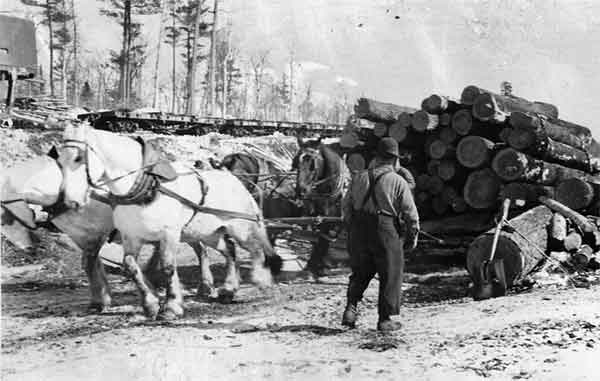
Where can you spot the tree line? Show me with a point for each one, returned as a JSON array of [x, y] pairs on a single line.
[[230, 85]]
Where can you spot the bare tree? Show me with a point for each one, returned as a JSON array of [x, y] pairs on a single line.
[[258, 63], [213, 58], [161, 27], [192, 74]]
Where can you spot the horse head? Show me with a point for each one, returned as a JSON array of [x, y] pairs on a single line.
[[81, 165], [310, 165]]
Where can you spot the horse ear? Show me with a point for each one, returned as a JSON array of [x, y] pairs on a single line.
[[53, 153]]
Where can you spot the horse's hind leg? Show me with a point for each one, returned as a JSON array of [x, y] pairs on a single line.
[[206, 286], [168, 250], [232, 279], [149, 300]]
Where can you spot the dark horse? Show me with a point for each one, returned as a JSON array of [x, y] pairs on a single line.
[[321, 181], [273, 189]]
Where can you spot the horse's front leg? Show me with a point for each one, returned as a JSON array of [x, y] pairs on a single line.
[[131, 250], [168, 253], [94, 269]]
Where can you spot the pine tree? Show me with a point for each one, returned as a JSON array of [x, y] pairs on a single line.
[[87, 95]]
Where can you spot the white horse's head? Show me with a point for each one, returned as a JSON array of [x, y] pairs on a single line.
[[81, 165]]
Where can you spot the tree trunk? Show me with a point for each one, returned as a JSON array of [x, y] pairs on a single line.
[[572, 134], [63, 54], [422, 121], [173, 63], [512, 165], [474, 151], [496, 108], [520, 256], [213, 59], [156, 76], [575, 193], [378, 111], [481, 189], [50, 45]]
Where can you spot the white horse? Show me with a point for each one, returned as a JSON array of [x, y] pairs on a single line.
[[92, 157], [38, 181]]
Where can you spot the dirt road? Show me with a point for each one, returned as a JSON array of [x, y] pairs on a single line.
[[292, 332]]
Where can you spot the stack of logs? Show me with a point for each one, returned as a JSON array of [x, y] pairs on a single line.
[[467, 155]]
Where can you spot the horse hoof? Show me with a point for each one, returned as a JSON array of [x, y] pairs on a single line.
[[174, 308], [206, 292], [167, 315], [226, 296], [96, 308], [151, 310]]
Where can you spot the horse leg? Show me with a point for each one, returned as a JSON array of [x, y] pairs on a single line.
[[232, 279], [206, 287], [99, 289], [149, 300], [168, 250], [261, 275]]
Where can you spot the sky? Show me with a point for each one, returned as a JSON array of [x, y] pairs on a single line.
[[401, 51]]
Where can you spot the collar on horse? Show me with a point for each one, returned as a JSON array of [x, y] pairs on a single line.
[[340, 182]]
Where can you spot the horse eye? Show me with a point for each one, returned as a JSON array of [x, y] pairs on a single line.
[[78, 159], [312, 165]]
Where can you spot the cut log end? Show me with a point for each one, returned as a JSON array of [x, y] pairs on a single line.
[[446, 170], [448, 135], [509, 164], [435, 104], [423, 121], [575, 193], [486, 109], [398, 131], [481, 189], [469, 94], [445, 119], [462, 122], [380, 130], [439, 149], [521, 139], [474, 151], [356, 162]]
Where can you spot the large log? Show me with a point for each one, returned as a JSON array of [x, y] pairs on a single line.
[[583, 256], [497, 108], [432, 167], [379, 111], [380, 130], [470, 223], [578, 219], [447, 169], [524, 194], [423, 121], [572, 241], [520, 255], [542, 147], [572, 134], [469, 94], [398, 131], [512, 165], [575, 193], [447, 134], [439, 205], [445, 119], [481, 189], [423, 181], [559, 227], [435, 185], [438, 149], [474, 151], [462, 122], [438, 104]]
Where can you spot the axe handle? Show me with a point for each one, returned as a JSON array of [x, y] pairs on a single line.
[[505, 207]]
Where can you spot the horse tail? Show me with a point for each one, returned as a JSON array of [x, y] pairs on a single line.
[[272, 260]]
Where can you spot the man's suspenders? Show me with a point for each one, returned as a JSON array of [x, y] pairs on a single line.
[[371, 191]]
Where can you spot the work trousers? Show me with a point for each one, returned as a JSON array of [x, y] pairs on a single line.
[[376, 245]]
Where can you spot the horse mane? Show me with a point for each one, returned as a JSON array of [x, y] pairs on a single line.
[[334, 164]]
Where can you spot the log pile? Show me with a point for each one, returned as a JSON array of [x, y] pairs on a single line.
[[466, 154]]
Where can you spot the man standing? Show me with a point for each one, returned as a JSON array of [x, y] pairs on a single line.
[[381, 214]]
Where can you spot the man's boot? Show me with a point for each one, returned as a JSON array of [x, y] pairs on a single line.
[[349, 317]]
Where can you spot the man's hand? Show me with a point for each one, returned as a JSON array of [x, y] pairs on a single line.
[[411, 241]]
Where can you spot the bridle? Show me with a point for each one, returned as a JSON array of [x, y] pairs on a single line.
[[337, 187]]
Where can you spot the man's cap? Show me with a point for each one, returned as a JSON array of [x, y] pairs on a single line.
[[387, 147]]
